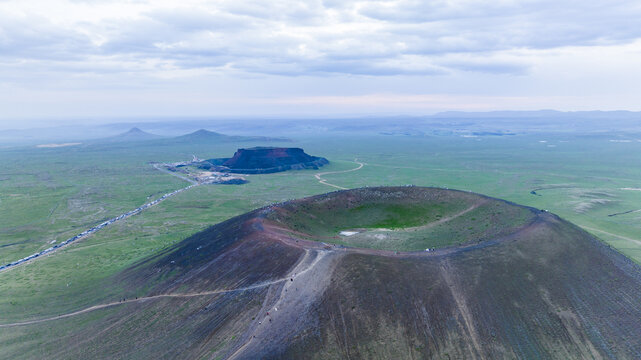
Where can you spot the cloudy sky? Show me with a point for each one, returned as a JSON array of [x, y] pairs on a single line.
[[73, 58]]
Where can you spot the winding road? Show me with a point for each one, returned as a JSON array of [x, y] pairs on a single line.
[[140, 299], [320, 179], [289, 276]]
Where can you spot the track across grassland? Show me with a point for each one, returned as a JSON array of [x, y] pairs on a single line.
[[638, 242], [160, 296], [320, 179]]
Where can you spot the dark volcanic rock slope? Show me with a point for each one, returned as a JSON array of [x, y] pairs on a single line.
[[543, 289], [262, 160]]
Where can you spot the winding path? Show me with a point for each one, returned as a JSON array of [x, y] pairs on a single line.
[[263, 314], [447, 218], [638, 242], [289, 276], [140, 299], [320, 179], [94, 229]]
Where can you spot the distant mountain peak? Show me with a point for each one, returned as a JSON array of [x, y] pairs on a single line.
[[133, 134], [204, 135], [136, 130]]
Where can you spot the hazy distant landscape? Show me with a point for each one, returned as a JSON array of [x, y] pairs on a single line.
[[619, 123], [51, 194], [356, 179]]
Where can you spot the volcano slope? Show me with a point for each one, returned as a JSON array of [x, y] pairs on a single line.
[[500, 281]]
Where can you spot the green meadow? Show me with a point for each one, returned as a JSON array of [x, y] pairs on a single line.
[[52, 194]]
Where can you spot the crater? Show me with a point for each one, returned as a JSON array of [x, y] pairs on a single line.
[[401, 218]]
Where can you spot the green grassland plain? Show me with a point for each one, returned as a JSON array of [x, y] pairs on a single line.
[[53, 194]]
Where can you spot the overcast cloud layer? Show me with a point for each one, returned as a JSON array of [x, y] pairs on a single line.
[[111, 58]]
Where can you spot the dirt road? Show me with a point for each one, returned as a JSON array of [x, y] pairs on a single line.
[[320, 179], [293, 274], [638, 242]]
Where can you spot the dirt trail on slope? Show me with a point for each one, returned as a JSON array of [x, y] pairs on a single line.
[[570, 322], [461, 305], [283, 316], [180, 295], [324, 182]]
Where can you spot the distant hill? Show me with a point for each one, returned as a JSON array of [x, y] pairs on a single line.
[[134, 134], [204, 136], [201, 136]]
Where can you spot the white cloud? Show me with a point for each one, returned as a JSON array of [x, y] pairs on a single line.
[[310, 36], [454, 47]]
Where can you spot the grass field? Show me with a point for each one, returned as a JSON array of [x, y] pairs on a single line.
[[53, 194]]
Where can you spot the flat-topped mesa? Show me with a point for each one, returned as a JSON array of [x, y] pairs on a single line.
[[264, 160]]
